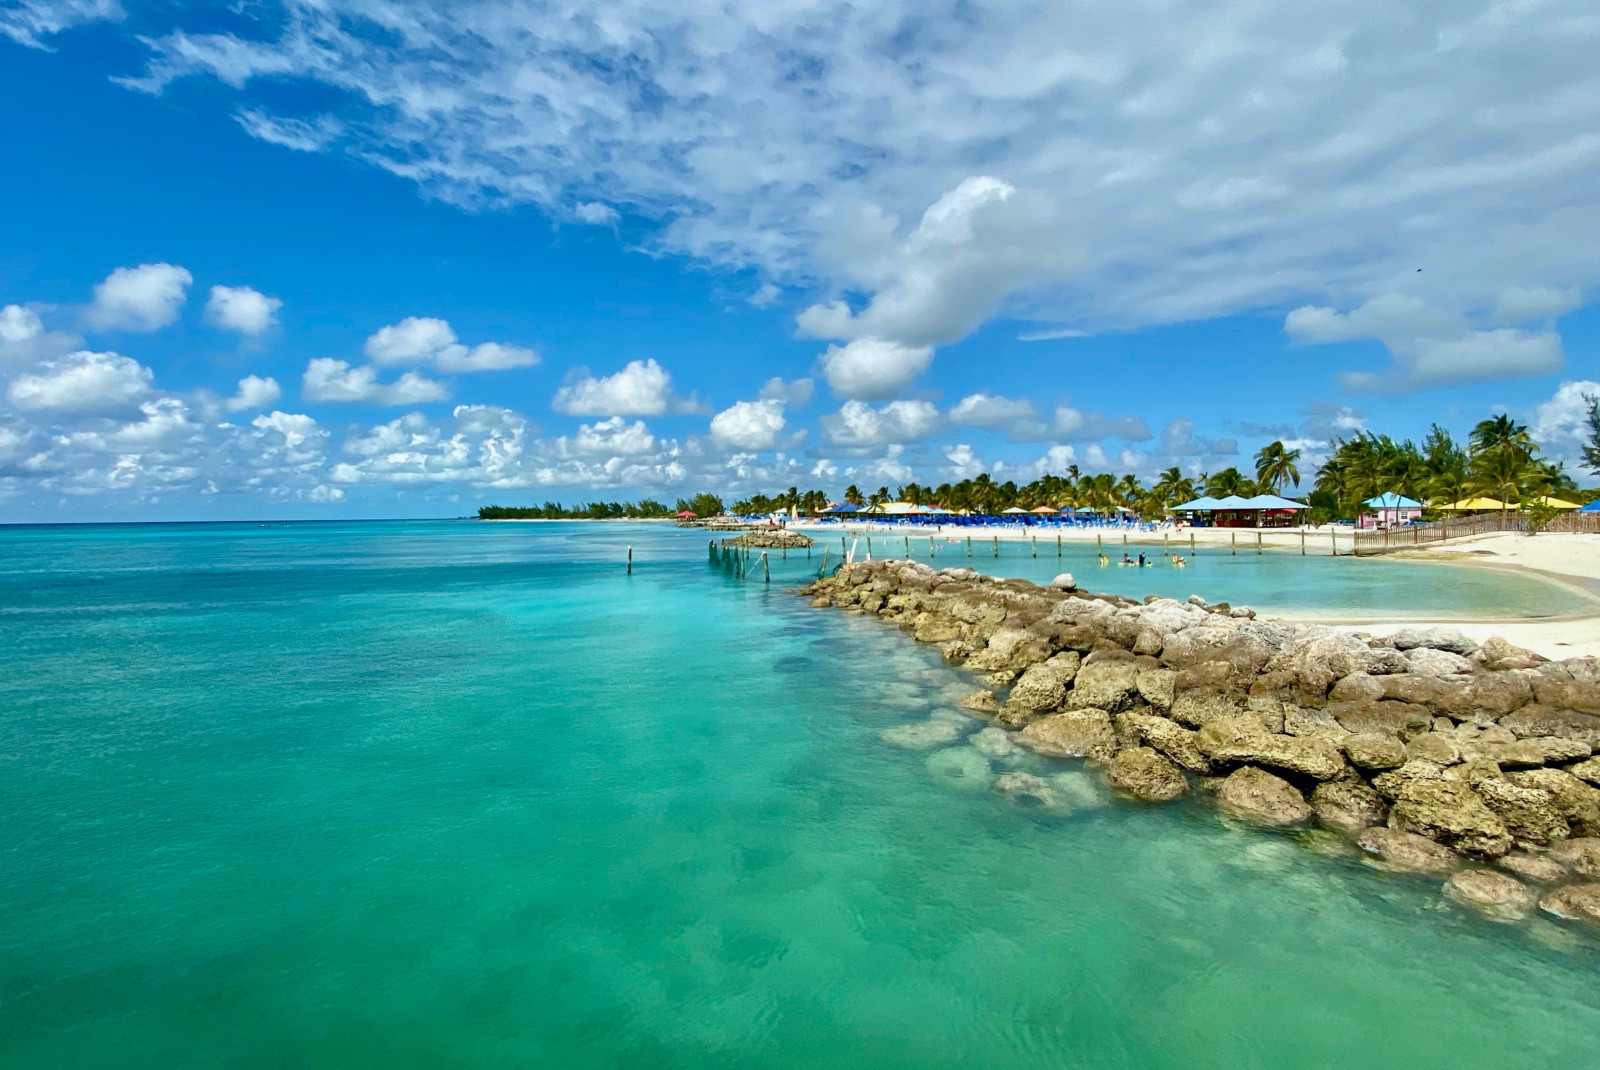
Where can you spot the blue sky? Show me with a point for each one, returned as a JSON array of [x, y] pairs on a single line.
[[369, 259]]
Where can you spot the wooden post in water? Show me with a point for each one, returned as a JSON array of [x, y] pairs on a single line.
[[766, 569], [1099, 549], [1258, 542], [930, 547], [1058, 544], [1191, 542], [997, 546], [1302, 540], [1233, 542], [908, 547], [630, 560], [1035, 545], [824, 569], [1166, 544], [869, 547], [1333, 540]]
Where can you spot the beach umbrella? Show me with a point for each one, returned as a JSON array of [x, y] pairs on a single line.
[[688, 515], [1044, 510], [1014, 511]]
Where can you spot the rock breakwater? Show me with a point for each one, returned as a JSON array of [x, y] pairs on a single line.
[[1433, 753]]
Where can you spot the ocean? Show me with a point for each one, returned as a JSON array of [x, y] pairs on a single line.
[[453, 794]]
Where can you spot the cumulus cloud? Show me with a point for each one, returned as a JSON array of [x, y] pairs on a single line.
[[1088, 166], [797, 392], [1015, 416], [613, 438], [242, 309], [29, 22], [143, 298], [641, 388], [596, 214], [749, 425], [1432, 346], [327, 379], [859, 425], [1074, 425], [254, 393], [25, 340], [872, 369], [82, 382], [1518, 304], [1560, 423], [425, 340]]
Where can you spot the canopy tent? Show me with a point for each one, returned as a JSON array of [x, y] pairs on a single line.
[[1232, 501], [1013, 511], [1270, 501], [1391, 500], [688, 514], [845, 508], [1592, 507], [1043, 510], [1199, 505], [1556, 503], [1474, 505]]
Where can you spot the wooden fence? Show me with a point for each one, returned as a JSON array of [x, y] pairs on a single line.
[[1404, 538]]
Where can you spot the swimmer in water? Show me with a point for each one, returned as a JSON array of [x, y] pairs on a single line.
[[1104, 561], [1141, 559]]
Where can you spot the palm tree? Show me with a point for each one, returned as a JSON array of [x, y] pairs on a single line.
[[852, 495], [1173, 488], [1501, 457], [1275, 467], [1229, 481]]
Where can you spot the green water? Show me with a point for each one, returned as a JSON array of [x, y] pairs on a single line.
[[1275, 581], [467, 795]]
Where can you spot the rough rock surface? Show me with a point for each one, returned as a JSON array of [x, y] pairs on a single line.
[[1257, 796], [1146, 774], [1495, 894], [1348, 805], [1460, 749], [1075, 734], [1407, 850]]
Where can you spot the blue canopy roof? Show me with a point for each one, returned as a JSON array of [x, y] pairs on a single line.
[[1199, 504], [846, 508], [1391, 500], [1270, 501], [1592, 507]]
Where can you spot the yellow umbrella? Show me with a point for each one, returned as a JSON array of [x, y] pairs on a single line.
[[1558, 503], [1474, 505]]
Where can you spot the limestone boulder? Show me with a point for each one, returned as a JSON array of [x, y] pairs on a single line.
[[1573, 684], [1348, 805], [1402, 719], [1246, 645], [1358, 687], [1111, 685], [1312, 721], [1038, 691], [1168, 737], [1157, 687], [936, 629], [1064, 582], [1065, 665], [1437, 693], [1534, 867], [957, 651], [1241, 739], [1575, 902], [1498, 654], [981, 702], [1539, 720], [1449, 640], [1257, 796], [1436, 747], [1375, 750], [1580, 855], [1080, 733], [1316, 661], [1452, 813], [1537, 751], [1032, 790], [1588, 771], [1495, 895], [1529, 814], [1146, 774], [1426, 661], [1577, 802], [1407, 850]]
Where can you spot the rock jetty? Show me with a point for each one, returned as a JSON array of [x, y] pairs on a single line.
[[1433, 753], [772, 540]]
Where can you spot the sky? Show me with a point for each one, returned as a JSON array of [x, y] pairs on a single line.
[[363, 258]]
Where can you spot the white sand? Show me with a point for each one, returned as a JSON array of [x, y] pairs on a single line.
[[1574, 559]]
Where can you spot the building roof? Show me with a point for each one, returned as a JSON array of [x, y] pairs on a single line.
[[1391, 500], [1270, 501], [1473, 505], [1592, 507], [1200, 504], [1557, 503]]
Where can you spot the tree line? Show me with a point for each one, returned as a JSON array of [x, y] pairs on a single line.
[[1499, 460]]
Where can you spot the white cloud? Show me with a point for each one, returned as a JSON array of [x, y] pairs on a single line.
[[1165, 163], [254, 393], [872, 369], [596, 214], [1518, 304], [301, 135], [766, 296], [1429, 345], [323, 494], [1016, 416], [749, 425], [797, 392], [327, 379], [143, 298], [242, 309], [860, 425], [613, 438], [28, 22], [425, 340], [641, 388], [1560, 423], [25, 340], [1073, 425], [963, 462], [82, 382]]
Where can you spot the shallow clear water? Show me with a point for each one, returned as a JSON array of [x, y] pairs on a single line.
[[1275, 581], [453, 794]]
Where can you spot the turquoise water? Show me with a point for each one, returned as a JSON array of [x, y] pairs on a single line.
[[1275, 581], [454, 794]]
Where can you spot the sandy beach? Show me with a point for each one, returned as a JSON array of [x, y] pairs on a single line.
[[1573, 560]]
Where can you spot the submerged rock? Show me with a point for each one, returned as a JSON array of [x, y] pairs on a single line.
[[1534, 867], [1575, 902], [1027, 788], [981, 702], [962, 768], [1257, 796], [1146, 774], [1581, 855], [920, 736], [1407, 850], [1494, 894]]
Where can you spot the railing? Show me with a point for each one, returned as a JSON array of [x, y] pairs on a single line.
[[1404, 538]]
